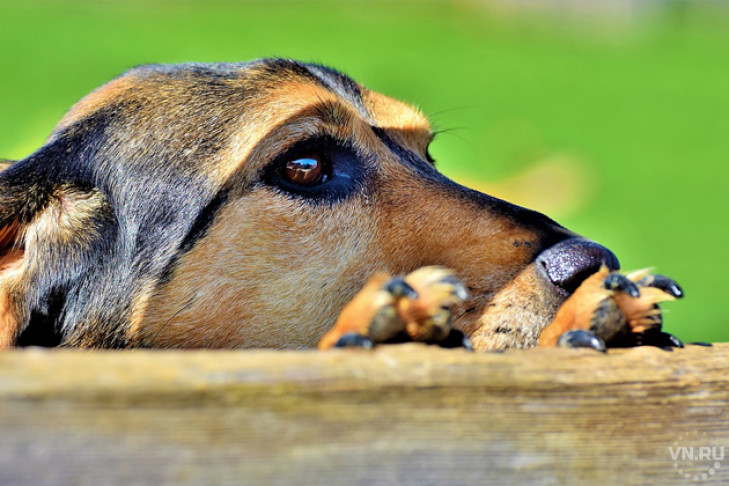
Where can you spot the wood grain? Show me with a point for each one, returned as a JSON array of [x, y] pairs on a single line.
[[397, 415]]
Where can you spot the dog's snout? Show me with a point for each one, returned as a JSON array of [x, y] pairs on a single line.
[[568, 263]]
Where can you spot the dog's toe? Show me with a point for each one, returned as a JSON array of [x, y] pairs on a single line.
[[429, 318]]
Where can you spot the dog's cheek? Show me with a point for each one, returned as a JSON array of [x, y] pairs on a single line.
[[272, 271]]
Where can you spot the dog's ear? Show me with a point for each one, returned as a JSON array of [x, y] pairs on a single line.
[[12, 253], [23, 199], [48, 226]]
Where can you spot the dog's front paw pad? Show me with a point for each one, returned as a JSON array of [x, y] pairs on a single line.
[[621, 310]]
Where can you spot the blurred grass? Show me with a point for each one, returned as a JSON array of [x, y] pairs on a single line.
[[641, 105]]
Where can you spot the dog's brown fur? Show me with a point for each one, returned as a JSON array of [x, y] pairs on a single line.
[[244, 262]]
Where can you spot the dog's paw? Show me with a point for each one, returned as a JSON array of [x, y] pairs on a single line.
[[614, 310], [388, 309]]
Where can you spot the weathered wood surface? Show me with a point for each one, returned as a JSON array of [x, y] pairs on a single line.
[[397, 415]]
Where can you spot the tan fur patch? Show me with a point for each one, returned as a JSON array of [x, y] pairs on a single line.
[[410, 126], [113, 91]]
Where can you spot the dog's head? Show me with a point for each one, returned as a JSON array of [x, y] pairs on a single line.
[[243, 205]]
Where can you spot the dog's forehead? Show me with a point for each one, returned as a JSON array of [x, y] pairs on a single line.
[[269, 85]]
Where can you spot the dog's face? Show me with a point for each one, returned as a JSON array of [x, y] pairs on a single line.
[[243, 206]]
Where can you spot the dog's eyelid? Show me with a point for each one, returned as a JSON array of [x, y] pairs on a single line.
[[428, 156]]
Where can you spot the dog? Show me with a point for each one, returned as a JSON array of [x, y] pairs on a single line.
[[244, 205]]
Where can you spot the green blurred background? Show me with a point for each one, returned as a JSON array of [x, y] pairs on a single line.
[[612, 117]]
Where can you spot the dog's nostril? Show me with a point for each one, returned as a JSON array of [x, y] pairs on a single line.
[[568, 263]]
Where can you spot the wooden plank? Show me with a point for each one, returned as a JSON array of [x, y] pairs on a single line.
[[397, 415]]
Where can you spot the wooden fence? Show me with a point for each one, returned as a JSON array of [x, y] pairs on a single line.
[[397, 415]]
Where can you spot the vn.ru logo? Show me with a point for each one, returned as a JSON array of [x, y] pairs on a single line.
[[696, 456]]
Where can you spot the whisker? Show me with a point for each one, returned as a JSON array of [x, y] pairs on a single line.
[[438, 131], [452, 132], [448, 110]]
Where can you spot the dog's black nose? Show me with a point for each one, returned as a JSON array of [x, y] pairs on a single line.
[[568, 263]]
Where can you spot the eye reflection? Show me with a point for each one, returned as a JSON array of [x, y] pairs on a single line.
[[305, 171]]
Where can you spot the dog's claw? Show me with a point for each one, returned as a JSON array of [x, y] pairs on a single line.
[[580, 338], [661, 282], [659, 339], [399, 288], [457, 288], [620, 283], [354, 340]]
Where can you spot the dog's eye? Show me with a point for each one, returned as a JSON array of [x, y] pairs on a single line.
[[322, 168], [307, 170]]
